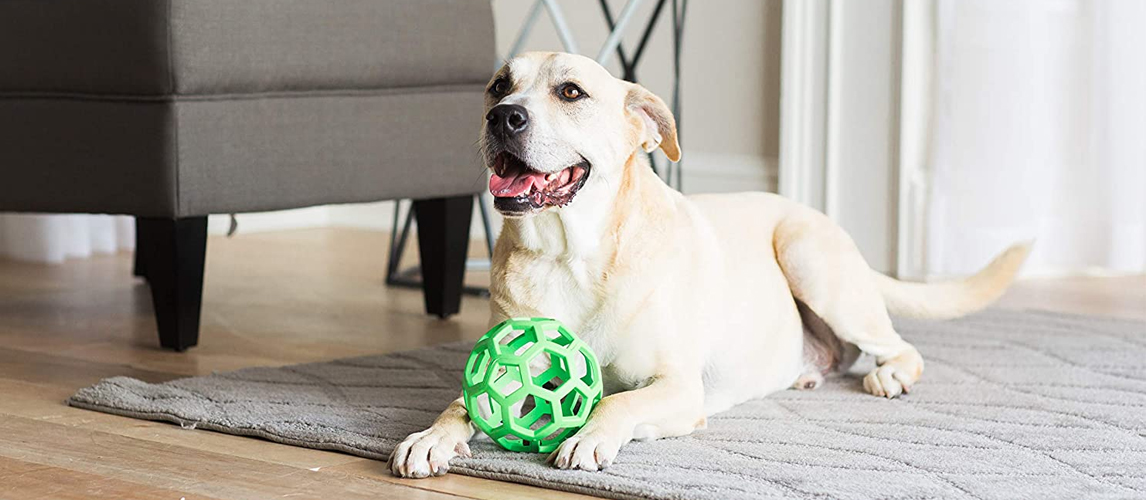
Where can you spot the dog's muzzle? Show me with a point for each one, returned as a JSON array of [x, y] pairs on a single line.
[[519, 189]]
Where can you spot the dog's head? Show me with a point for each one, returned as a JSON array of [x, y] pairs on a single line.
[[557, 125]]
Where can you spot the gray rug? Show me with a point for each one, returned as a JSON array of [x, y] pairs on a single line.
[[1013, 405]]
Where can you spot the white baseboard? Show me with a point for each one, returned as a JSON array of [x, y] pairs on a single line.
[[261, 222], [703, 173], [376, 216]]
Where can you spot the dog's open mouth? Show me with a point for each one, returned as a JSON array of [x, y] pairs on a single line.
[[517, 188]]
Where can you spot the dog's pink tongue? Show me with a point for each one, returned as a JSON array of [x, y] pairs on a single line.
[[515, 185]]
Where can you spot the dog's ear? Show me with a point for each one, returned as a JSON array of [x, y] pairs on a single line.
[[657, 123]]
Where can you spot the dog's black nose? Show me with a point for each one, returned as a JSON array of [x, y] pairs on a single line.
[[507, 120]]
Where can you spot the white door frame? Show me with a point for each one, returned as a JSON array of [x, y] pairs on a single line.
[[803, 101], [916, 115], [853, 110]]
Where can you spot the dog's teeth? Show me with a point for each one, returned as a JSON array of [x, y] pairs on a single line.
[[550, 177]]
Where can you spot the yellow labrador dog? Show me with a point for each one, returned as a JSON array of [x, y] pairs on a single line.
[[693, 303]]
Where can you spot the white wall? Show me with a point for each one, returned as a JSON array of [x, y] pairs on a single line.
[[730, 96], [730, 78]]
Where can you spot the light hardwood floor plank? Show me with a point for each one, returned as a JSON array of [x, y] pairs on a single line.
[[1121, 296], [31, 481], [180, 469], [64, 371]]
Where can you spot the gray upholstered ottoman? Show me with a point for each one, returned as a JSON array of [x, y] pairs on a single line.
[[172, 110]]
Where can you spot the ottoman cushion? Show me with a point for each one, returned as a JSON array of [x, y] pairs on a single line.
[[199, 47]]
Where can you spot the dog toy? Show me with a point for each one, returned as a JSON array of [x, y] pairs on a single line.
[[530, 383]]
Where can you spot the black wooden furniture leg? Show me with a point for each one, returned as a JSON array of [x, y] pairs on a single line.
[[173, 256], [139, 269], [443, 239]]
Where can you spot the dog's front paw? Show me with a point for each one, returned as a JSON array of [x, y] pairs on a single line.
[[426, 453], [887, 381], [586, 450]]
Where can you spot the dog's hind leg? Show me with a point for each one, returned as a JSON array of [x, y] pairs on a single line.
[[811, 378], [826, 272], [821, 350]]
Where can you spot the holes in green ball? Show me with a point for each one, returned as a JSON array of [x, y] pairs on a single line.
[[479, 367], [588, 367], [488, 409], [541, 422], [555, 434], [571, 403], [554, 383], [559, 337], [524, 442], [506, 379], [552, 372], [532, 408], [527, 405], [577, 401], [509, 335], [522, 348], [522, 342]]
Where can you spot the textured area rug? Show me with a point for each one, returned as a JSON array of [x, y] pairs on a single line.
[[1012, 405]]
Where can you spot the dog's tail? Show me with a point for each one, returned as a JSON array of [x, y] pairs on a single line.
[[950, 299]]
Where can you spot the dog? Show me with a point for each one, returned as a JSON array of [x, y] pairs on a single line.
[[693, 304]]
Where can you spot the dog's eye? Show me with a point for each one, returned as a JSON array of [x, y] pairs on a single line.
[[499, 87], [571, 92]]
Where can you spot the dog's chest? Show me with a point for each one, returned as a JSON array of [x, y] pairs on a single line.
[[556, 287], [572, 292]]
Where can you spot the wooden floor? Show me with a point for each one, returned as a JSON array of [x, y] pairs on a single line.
[[270, 299]]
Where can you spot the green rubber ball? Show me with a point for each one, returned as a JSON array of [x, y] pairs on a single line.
[[530, 383]]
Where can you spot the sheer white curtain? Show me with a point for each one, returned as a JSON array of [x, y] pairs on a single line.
[[54, 238], [1039, 132]]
